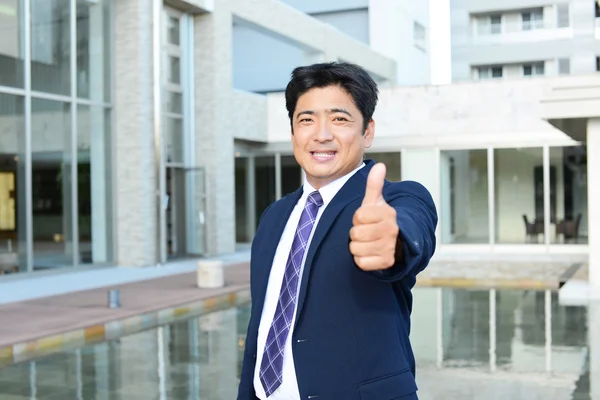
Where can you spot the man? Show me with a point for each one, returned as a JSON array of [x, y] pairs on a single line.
[[333, 264]]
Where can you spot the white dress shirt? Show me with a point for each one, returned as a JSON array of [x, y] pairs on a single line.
[[289, 388]]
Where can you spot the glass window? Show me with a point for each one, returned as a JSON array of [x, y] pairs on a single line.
[[174, 102], [483, 26], [532, 19], [526, 21], [174, 140], [93, 184], [496, 24], [11, 44], [174, 70], [51, 184], [464, 196], [483, 73], [242, 205], [536, 69], [392, 164], [563, 18], [419, 33], [264, 168], [291, 175], [568, 195], [50, 46], [13, 235], [519, 195], [93, 50], [489, 72], [173, 30], [489, 24]]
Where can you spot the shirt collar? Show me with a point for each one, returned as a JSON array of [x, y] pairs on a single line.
[[329, 191]]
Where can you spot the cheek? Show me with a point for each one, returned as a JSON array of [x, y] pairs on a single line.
[[296, 141], [301, 137], [351, 144]]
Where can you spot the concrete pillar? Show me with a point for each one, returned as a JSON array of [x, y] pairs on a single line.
[[67, 213], [214, 125], [593, 172], [97, 139], [445, 204], [250, 198], [133, 135]]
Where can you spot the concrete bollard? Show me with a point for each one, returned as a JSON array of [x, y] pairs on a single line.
[[114, 298], [210, 274]]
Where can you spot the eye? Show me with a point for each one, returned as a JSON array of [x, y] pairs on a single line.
[[340, 119]]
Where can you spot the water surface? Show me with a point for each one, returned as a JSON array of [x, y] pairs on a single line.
[[469, 344]]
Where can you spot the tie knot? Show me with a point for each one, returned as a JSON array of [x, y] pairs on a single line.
[[315, 198]]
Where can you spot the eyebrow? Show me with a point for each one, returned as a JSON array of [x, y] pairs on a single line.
[[330, 111]]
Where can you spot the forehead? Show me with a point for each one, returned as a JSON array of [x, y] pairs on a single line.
[[319, 99]]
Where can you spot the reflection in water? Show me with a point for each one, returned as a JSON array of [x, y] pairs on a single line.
[[469, 344], [498, 344]]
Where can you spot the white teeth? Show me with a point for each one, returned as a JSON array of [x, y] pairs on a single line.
[[323, 154]]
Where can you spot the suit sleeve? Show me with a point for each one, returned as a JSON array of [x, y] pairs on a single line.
[[417, 219]]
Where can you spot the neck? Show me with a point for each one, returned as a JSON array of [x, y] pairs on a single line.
[[319, 183]]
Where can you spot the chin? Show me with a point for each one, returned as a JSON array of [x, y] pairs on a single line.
[[320, 173]]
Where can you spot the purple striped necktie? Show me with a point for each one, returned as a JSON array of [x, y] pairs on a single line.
[[271, 368]]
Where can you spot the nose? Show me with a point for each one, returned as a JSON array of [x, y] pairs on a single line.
[[323, 134]]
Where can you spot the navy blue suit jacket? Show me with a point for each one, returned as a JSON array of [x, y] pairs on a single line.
[[351, 339]]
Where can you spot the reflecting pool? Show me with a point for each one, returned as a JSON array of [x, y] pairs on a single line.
[[469, 344]]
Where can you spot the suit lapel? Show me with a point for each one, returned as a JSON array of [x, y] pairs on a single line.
[[275, 226], [354, 188]]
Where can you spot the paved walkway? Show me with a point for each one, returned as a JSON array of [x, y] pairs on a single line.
[[36, 327], [499, 274], [22, 287]]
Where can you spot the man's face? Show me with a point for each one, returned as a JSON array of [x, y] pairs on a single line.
[[328, 134]]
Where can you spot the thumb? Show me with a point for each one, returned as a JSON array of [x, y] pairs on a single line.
[[373, 193]]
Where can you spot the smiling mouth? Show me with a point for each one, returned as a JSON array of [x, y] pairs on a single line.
[[323, 155]]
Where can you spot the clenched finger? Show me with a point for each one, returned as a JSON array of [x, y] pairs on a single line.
[[365, 233], [373, 263], [369, 214], [374, 248]]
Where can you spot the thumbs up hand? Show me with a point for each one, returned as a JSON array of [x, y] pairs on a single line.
[[374, 234]]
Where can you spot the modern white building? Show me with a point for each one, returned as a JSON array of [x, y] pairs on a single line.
[[119, 122], [130, 143], [517, 38], [397, 29]]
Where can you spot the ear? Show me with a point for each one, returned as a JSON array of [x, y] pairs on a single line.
[[369, 134]]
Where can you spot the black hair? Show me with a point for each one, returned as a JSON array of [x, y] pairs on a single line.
[[350, 77]]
